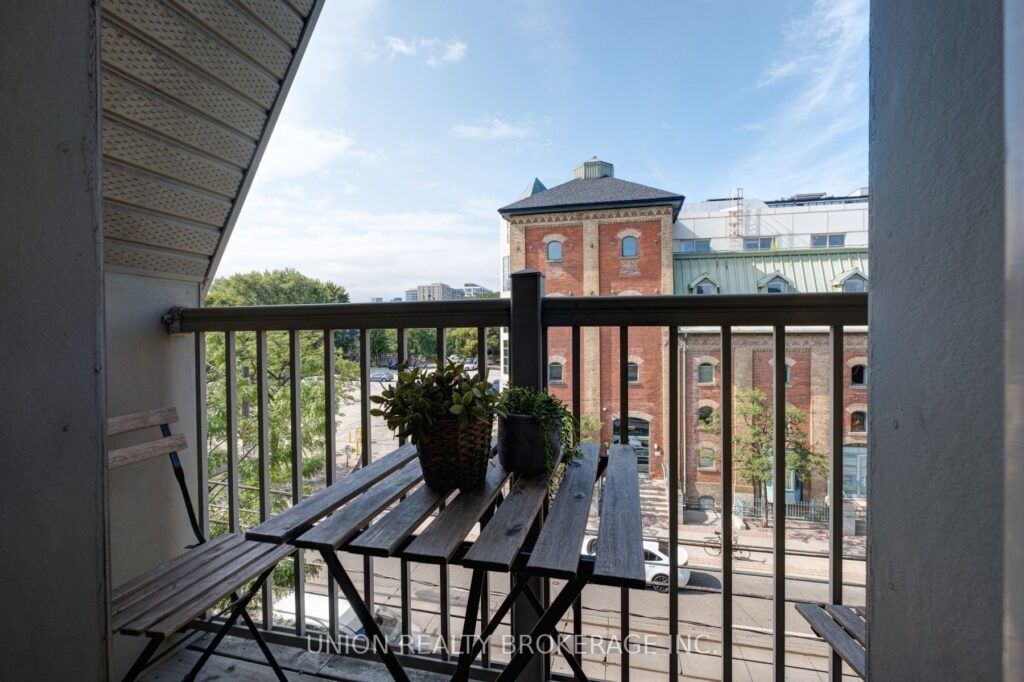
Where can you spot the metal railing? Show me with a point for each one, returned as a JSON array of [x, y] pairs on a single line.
[[529, 316]]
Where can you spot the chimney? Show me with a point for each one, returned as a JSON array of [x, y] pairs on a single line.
[[595, 168]]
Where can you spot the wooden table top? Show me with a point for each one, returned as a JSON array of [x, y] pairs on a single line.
[[359, 514]]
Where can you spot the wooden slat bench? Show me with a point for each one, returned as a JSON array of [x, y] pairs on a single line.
[[843, 628], [170, 597]]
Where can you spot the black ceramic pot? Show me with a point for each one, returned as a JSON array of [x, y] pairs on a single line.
[[521, 445]]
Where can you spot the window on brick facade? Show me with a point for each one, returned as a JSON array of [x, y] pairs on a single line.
[[858, 422], [706, 457], [629, 247], [554, 251], [705, 373], [788, 373], [555, 373], [632, 372], [858, 375], [705, 415]]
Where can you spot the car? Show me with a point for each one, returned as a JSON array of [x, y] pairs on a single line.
[[656, 562], [389, 622], [382, 375]]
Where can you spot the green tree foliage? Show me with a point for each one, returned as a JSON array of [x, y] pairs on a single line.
[[278, 287], [755, 443]]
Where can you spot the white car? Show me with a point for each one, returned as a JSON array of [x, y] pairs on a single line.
[[656, 562]]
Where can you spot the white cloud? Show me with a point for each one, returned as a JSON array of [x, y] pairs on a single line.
[[816, 139], [454, 51], [369, 252], [433, 51], [296, 150], [492, 129]]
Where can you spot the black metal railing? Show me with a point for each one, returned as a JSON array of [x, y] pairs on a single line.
[[529, 316]]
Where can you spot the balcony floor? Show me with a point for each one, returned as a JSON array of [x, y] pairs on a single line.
[[240, 659]]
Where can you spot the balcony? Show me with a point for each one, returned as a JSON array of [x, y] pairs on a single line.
[[725, 616], [130, 143]]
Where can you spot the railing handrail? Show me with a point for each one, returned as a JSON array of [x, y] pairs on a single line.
[[482, 312], [712, 311], [556, 311]]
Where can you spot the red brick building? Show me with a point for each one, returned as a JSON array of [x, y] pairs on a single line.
[[599, 236]]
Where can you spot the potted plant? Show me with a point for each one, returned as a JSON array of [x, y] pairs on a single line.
[[448, 415], [536, 427]]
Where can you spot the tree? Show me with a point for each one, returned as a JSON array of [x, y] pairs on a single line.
[[755, 443], [275, 287]]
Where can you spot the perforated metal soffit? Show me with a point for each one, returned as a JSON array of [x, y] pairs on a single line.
[[188, 89]]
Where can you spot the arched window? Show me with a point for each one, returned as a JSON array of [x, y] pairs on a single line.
[[858, 422], [706, 457], [555, 372], [704, 415], [855, 283], [555, 251], [705, 373], [632, 372], [858, 375], [629, 247], [776, 285]]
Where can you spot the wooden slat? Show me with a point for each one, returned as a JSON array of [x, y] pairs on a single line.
[[557, 552], [195, 608], [143, 451], [146, 605], [836, 637], [182, 560], [850, 621], [620, 552], [340, 526], [503, 536], [141, 420], [386, 536], [437, 544], [298, 519], [190, 599]]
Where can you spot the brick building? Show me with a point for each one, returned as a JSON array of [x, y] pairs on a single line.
[[597, 235]]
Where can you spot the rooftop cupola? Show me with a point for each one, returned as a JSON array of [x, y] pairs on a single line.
[[595, 168]]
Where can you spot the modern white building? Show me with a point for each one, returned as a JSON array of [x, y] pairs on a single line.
[[803, 221], [471, 290]]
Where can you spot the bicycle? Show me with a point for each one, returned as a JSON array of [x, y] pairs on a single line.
[[713, 546]]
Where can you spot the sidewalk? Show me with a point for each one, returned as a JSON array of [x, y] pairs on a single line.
[[801, 536]]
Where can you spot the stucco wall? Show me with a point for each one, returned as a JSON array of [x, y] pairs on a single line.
[[52, 526], [147, 369], [936, 345]]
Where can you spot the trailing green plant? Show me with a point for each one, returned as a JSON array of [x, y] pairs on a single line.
[[552, 414], [420, 398]]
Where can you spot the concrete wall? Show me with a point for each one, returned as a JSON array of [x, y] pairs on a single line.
[[936, 523], [1014, 566], [147, 369], [52, 525]]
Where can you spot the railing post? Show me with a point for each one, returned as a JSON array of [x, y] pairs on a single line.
[[525, 331], [526, 350]]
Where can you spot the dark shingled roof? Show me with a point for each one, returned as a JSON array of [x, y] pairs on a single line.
[[607, 192]]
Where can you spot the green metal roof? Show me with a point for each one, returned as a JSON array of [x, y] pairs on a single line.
[[807, 270]]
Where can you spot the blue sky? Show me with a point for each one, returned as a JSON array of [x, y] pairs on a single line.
[[410, 123]]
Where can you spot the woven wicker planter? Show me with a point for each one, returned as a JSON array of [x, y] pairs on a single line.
[[456, 458]]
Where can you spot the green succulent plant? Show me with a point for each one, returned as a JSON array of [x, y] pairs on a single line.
[[552, 414], [420, 398]]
